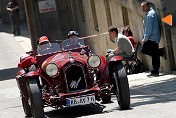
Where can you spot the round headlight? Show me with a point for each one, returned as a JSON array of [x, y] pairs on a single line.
[[51, 69], [94, 61]]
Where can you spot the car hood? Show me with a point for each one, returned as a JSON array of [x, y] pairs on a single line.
[[63, 58]]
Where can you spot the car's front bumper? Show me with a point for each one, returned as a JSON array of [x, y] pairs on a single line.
[[62, 98]]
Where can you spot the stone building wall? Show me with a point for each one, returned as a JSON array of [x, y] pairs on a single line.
[[91, 17]]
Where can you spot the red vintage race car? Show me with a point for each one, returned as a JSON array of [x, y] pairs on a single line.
[[67, 75]]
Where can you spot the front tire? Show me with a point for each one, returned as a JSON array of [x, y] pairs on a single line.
[[26, 108], [121, 88], [35, 99]]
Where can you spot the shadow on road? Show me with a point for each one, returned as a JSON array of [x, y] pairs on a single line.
[[157, 92], [85, 110], [7, 74], [77, 111]]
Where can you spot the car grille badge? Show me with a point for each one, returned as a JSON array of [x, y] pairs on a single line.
[[74, 83]]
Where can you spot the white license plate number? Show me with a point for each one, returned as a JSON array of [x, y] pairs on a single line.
[[81, 101]]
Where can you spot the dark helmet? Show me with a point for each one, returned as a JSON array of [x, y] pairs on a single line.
[[72, 33]]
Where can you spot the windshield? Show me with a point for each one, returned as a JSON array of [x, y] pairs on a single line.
[[48, 48], [72, 44]]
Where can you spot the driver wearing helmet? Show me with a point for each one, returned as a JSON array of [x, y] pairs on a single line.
[[44, 43]]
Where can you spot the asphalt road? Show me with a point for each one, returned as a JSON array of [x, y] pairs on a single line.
[[151, 97]]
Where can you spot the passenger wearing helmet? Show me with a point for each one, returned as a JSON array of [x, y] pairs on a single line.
[[72, 34], [73, 38]]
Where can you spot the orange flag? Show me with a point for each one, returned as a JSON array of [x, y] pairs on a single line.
[[168, 19]]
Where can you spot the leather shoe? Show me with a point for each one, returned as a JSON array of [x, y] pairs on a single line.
[[153, 74]]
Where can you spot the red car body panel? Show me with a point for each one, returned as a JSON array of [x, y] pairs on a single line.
[[104, 70], [26, 62], [115, 58], [32, 74], [62, 58], [20, 72], [95, 89]]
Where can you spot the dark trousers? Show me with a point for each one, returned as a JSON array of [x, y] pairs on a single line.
[[15, 23], [152, 49]]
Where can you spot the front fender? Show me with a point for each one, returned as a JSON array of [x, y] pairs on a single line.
[[21, 82], [32, 74], [35, 75], [103, 63], [115, 58], [115, 61], [106, 69], [20, 72]]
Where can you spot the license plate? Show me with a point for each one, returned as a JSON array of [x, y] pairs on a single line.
[[81, 101]]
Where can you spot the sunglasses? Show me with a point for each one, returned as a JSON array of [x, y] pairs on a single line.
[[42, 43]]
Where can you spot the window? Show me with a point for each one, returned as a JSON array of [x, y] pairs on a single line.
[[94, 15], [108, 12], [125, 16]]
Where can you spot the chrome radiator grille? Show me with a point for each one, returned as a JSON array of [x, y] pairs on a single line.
[[75, 78]]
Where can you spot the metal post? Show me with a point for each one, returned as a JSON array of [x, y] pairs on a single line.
[[31, 22]]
